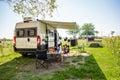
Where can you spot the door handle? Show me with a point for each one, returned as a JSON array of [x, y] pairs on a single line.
[[28, 39]]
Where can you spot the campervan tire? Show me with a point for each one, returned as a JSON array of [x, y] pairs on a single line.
[[24, 54]]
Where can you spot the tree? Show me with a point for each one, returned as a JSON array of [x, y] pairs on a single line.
[[88, 29], [96, 32], [33, 8], [112, 32], [73, 32]]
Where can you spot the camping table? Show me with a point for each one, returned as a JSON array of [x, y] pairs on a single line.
[[55, 53]]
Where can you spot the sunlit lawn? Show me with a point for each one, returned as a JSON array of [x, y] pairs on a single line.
[[106, 62]]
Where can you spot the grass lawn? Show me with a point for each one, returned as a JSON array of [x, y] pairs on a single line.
[[100, 65], [106, 62]]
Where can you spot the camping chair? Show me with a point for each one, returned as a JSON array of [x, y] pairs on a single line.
[[41, 59], [66, 49]]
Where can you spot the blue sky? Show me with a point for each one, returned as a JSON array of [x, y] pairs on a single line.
[[104, 14]]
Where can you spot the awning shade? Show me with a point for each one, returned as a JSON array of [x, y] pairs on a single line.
[[62, 25]]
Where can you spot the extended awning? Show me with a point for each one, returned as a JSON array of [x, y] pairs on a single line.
[[62, 25]]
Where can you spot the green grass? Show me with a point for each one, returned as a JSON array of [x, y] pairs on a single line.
[[104, 59], [17, 68], [106, 62], [7, 54], [100, 65], [76, 59], [23, 68], [90, 70]]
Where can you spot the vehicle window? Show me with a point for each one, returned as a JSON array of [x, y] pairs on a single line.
[[50, 33], [31, 32], [26, 32], [20, 33]]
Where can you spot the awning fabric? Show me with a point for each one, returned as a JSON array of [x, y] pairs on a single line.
[[61, 25]]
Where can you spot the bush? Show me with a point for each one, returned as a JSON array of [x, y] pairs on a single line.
[[94, 45]]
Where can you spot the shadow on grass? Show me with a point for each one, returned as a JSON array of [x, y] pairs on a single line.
[[25, 68], [9, 70], [97, 47], [88, 71]]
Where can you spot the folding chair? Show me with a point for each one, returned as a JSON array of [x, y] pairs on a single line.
[[41, 59], [66, 49]]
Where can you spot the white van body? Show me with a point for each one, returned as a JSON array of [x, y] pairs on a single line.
[[31, 35]]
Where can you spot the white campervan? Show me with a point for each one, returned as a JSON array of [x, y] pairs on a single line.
[[31, 35]]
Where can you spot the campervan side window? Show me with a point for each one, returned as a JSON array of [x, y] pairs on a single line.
[[50, 33], [20, 33], [31, 32]]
